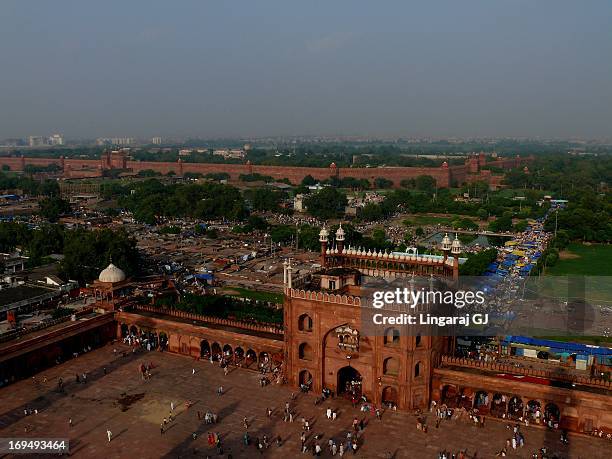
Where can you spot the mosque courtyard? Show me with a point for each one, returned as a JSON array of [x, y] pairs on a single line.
[[116, 398]]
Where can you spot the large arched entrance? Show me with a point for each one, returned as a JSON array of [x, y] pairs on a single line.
[[251, 357], [204, 349], [227, 351], [449, 396], [163, 341], [389, 396], [216, 351], [305, 379], [349, 381], [515, 407]]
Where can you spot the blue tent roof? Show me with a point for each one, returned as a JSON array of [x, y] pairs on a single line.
[[559, 346]]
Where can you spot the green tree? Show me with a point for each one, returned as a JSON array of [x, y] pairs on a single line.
[[52, 208], [309, 180], [148, 173], [326, 204], [381, 182], [86, 253], [520, 226], [258, 223], [282, 233], [265, 199], [408, 183], [501, 224], [425, 183], [476, 263], [371, 212]]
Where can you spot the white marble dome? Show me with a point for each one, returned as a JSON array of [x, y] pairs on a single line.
[[112, 274]]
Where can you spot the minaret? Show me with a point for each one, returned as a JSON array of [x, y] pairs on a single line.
[[323, 240], [456, 250], [289, 275], [340, 239], [446, 246], [285, 272]]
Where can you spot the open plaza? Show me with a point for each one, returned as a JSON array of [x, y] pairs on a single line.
[[115, 397]]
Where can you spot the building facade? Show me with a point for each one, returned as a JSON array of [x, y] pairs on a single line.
[[325, 347]]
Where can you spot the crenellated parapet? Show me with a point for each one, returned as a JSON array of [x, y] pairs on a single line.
[[324, 297], [448, 360], [266, 328]]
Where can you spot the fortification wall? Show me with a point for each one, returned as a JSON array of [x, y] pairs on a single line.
[[445, 176]]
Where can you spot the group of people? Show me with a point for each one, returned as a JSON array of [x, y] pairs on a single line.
[[145, 370], [334, 447], [601, 434]]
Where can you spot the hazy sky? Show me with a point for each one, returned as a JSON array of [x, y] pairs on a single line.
[[259, 68]]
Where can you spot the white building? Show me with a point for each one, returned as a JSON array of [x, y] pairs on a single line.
[[56, 139]]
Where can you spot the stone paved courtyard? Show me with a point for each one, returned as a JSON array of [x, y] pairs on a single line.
[[94, 407]]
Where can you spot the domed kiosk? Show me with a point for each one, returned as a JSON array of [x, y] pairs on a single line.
[[111, 285], [111, 274]]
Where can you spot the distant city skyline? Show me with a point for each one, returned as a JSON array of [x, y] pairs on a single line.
[[474, 69]]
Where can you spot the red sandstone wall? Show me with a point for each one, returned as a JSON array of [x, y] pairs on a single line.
[[397, 174], [444, 176], [13, 163]]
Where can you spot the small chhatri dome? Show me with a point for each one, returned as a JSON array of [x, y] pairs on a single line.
[[112, 274], [333, 165], [446, 242], [323, 235], [456, 246], [340, 234]]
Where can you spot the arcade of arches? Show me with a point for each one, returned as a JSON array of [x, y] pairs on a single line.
[[541, 404], [248, 350]]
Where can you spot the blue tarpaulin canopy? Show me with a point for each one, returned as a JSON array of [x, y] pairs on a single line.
[[558, 346], [205, 276]]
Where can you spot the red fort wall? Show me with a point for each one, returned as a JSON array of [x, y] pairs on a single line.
[[445, 176]]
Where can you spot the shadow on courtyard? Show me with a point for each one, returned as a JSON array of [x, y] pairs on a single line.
[[43, 402]]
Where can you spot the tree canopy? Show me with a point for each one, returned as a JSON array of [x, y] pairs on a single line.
[[327, 203]]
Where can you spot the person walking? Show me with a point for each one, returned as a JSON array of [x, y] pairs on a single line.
[[70, 422], [109, 434]]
